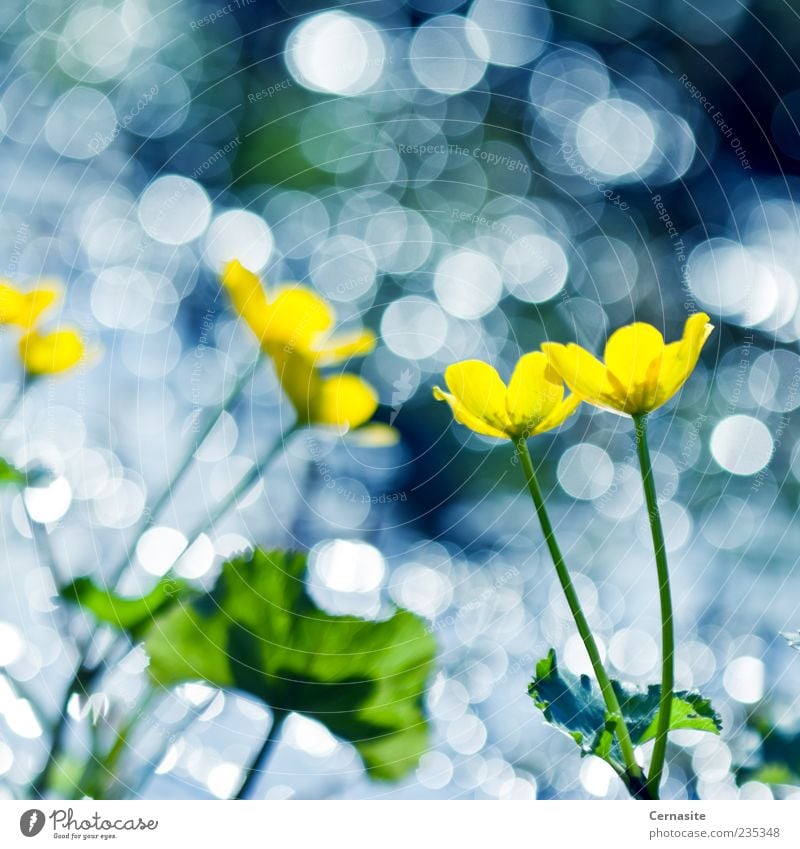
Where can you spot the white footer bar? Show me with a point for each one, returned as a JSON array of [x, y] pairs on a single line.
[[402, 825]]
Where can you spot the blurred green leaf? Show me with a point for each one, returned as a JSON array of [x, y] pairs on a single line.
[[270, 151], [575, 706], [260, 632], [777, 758], [127, 614], [34, 476]]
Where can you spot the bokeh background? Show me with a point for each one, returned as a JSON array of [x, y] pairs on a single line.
[[467, 179]]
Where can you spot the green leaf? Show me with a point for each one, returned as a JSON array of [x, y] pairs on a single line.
[[777, 758], [260, 632], [127, 614], [34, 476], [575, 706]]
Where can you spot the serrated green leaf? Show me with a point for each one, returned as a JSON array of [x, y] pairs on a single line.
[[127, 614], [575, 706], [689, 710], [260, 632]]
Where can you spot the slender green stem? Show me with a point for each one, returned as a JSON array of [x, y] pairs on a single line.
[[258, 764], [78, 684], [209, 423], [194, 712], [14, 403], [92, 782], [85, 675], [667, 624], [244, 484], [607, 690]]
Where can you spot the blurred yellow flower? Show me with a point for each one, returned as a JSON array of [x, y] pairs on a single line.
[[295, 319], [294, 329], [640, 372], [344, 401], [50, 353], [23, 309], [376, 435], [532, 403]]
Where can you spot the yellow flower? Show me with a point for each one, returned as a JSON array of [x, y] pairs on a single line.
[[640, 372], [294, 329], [296, 319], [532, 403], [344, 401], [247, 296], [50, 353], [24, 308]]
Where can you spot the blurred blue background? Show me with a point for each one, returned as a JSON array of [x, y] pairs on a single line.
[[467, 179]]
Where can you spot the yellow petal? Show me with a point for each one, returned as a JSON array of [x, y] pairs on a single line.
[[297, 319], [50, 353], [345, 346], [462, 415], [376, 435], [479, 389], [533, 392], [633, 359], [345, 401], [35, 303], [25, 308], [299, 380], [584, 374], [247, 296], [680, 358], [558, 415]]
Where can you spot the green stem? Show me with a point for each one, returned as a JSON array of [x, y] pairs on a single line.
[[244, 484], [667, 624], [85, 676], [257, 767], [78, 684], [210, 422], [99, 769], [14, 403], [607, 690], [193, 713]]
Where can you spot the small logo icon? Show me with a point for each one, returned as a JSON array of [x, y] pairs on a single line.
[[31, 822]]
